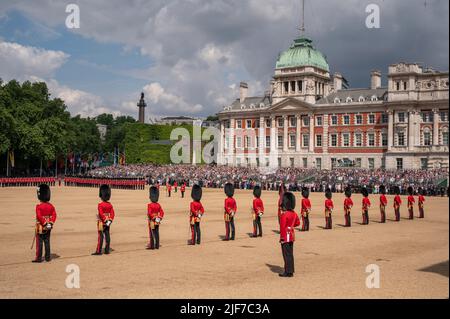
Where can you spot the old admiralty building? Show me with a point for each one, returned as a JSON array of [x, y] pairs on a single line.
[[308, 119]]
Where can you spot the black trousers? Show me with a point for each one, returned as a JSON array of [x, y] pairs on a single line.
[[106, 235], [182, 194], [229, 227], [43, 240], [154, 238], [196, 234], [257, 227], [288, 257]]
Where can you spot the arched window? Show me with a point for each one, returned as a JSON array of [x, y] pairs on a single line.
[[337, 100], [361, 99], [349, 100], [374, 98]]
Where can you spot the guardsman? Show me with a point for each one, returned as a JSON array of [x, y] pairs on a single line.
[[329, 206], [348, 204], [421, 201], [183, 189], [383, 203], [45, 219], [155, 214], [230, 211], [169, 189], [257, 212], [175, 185], [196, 214], [281, 191], [105, 218], [411, 202], [365, 206], [288, 221], [397, 203], [306, 209]]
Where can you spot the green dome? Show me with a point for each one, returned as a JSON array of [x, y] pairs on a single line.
[[302, 53]]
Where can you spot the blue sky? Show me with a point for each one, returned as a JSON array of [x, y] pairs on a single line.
[[189, 56]]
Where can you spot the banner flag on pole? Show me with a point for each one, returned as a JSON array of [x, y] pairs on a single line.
[[11, 158]]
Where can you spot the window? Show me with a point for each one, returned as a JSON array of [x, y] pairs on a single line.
[[337, 100], [349, 100], [268, 123], [427, 117], [333, 162], [292, 160], [286, 87], [346, 119], [398, 86], [279, 161], [239, 124], [346, 140], [258, 124], [280, 122], [399, 163], [405, 86], [305, 120], [305, 140], [358, 139], [319, 140], [384, 118], [384, 139], [359, 119], [292, 141], [383, 162], [319, 121], [319, 163], [238, 161], [300, 86], [334, 142], [239, 142], [334, 120], [249, 123], [361, 99], [248, 142], [305, 162], [401, 139], [401, 117], [293, 121], [445, 138], [268, 141], [280, 141], [371, 162], [257, 141], [424, 163], [358, 162], [443, 116], [371, 139], [371, 119], [427, 138], [293, 86]]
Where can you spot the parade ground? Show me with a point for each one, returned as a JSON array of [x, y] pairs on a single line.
[[412, 256]]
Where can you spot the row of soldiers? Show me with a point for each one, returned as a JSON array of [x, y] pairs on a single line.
[[26, 181], [287, 217]]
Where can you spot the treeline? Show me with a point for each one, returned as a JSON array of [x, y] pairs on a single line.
[[36, 128]]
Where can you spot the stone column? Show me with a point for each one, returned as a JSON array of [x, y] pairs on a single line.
[[231, 146], [411, 133], [298, 145], [436, 127], [325, 134], [273, 146], [285, 134], [262, 140], [390, 130], [311, 133]]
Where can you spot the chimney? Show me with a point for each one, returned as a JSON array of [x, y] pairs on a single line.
[[337, 82], [375, 79], [243, 90]]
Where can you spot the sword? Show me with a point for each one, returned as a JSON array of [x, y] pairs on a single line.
[[34, 240]]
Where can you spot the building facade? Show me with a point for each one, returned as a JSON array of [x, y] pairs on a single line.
[[308, 119]]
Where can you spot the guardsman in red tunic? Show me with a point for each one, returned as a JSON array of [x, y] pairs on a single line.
[[397, 203], [383, 203], [365, 206], [257, 212], [175, 185], [411, 202], [169, 189], [288, 221], [155, 215], [306, 209], [329, 206], [105, 218], [183, 189], [348, 204], [230, 211], [421, 201], [281, 191], [196, 213], [45, 219]]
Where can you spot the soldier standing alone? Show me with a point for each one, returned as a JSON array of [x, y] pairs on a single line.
[[196, 214], [230, 211], [257, 212], [105, 218]]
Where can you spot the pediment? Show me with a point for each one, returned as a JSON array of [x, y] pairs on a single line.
[[291, 104]]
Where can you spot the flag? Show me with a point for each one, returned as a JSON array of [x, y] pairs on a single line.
[[11, 158], [122, 159]]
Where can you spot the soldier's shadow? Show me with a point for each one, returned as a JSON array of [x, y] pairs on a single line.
[[55, 256], [275, 269]]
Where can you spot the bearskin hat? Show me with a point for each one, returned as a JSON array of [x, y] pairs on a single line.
[[229, 189], [196, 193], [105, 193], [328, 194], [364, 192], [397, 190], [257, 191], [305, 192], [154, 194], [382, 189], [348, 192], [43, 193], [410, 190], [288, 202]]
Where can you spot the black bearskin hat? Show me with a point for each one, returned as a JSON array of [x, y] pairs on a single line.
[[196, 193], [348, 192], [257, 191], [105, 193], [154, 194], [382, 189], [305, 192], [328, 194], [288, 202], [397, 190], [43, 193], [364, 192], [229, 189], [410, 190]]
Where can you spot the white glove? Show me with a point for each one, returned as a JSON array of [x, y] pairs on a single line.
[[199, 215], [108, 223], [48, 226], [260, 215], [158, 220]]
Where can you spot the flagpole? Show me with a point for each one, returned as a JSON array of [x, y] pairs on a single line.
[[40, 169], [7, 163], [56, 167]]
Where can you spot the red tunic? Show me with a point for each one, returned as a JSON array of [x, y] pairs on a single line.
[[366, 203], [397, 201], [45, 213], [411, 200], [383, 200], [421, 199], [196, 208], [105, 211], [154, 210], [288, 221], [329, 205], [230, 205], [183, 188], [258, 206], [348, 203], [306, 205]]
